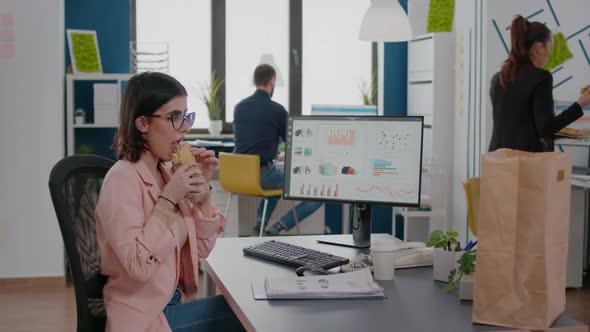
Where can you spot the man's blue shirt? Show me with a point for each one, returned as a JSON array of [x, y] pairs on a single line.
[[258, 124]]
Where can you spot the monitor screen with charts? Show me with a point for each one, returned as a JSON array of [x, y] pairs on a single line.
[[374, 159]]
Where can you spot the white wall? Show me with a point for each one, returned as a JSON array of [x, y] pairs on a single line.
[[482, 56], [466, 64], [31, 139]]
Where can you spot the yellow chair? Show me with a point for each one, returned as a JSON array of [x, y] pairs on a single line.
[[240, 174], [471, 187]]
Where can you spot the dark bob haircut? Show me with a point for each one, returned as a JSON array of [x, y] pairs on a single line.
[[145, 93]]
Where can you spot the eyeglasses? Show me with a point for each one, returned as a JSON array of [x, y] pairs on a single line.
[[177, 119]]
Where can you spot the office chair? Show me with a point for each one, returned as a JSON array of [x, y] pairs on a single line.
[[74, 184], [240, 174], [471, 187]]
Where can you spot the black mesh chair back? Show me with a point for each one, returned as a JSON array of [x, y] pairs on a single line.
[[75, 184]]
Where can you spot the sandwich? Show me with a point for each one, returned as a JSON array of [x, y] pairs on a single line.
[[183, 155], [585, 89]]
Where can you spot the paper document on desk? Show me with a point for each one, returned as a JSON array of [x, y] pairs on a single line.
[[581, 177], [351, 285], [573, 133], [581, 180]]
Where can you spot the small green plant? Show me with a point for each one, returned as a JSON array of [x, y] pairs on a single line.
[[210, 97], [84, 149], [439, 239], [466, 266], [369, 92]]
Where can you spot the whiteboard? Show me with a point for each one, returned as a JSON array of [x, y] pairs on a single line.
[[31, 136]]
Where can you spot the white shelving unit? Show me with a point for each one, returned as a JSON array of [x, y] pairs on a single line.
[[430, 94], [70, 91], [219, 195]]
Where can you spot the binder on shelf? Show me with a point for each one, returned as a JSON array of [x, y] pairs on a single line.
[[106, 104], [106, 94]]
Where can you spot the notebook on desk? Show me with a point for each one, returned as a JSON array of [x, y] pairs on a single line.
[[573, 133], [417, 257], [353, 285]]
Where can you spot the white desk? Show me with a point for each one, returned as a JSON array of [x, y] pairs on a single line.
[[577, 260], [415, 302]]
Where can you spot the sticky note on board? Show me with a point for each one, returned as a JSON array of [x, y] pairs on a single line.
[[440, 15], [560, 53]]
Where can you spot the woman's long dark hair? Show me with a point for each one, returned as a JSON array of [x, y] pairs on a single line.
[[523, 35], [145, 94]]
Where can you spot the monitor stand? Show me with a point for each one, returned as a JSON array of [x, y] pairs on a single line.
[[361, 229]]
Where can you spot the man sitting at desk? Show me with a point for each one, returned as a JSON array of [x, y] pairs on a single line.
[[259, 122]]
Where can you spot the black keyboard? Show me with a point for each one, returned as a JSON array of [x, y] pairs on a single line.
[[289, 254]]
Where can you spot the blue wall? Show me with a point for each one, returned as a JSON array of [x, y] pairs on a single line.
[[395, 76], [110, 19], [395, 102]]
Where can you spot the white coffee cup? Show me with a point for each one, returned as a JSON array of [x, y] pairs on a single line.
[[382, 251]]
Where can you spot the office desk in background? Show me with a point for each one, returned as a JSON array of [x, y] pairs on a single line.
[[578, 260], [215, 145], [415, 302]]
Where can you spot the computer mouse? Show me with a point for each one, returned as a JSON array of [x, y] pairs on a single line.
[[310, 270]]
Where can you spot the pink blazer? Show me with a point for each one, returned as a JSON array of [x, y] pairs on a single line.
[[140, 255]]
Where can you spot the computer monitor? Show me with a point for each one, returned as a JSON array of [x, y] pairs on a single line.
[[361, 160], [359, 110]]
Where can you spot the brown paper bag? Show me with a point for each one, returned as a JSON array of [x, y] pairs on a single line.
[[523, 226]]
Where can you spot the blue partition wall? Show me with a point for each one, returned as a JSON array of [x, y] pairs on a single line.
[[395, 102], [110, 20]]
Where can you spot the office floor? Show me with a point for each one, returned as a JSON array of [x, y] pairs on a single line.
[[51, 307]]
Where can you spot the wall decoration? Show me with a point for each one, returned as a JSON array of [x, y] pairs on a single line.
[[84, 53]]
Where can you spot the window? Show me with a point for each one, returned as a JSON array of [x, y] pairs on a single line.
[[186, 26], [314, 45], [335, 61], [255, 29]]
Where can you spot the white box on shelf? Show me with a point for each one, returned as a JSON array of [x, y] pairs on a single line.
[[106, 94], [106, 115], [443, 262]]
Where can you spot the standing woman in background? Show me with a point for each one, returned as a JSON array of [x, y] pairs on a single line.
[[522, 93]]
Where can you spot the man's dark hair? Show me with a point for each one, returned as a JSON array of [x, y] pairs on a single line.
[[263, 74]]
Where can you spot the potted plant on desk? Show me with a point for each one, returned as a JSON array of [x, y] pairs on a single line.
[[445, 256], [214, 104], [463, 275]]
